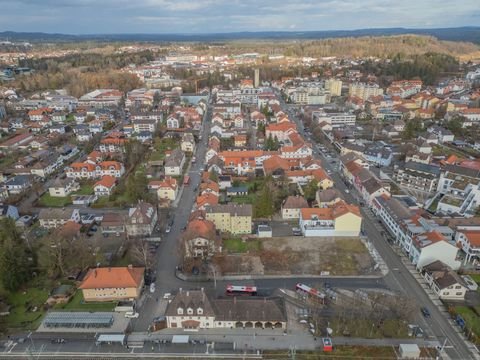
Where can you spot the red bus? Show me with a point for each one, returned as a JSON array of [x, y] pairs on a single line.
[[233, 290], [186, 180], [305, 289]]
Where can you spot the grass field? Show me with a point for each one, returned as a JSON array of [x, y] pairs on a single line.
[[23, 303], [77, 304], [391, 328], [249, 199], [53, 201], [236, 246], [470, 317]]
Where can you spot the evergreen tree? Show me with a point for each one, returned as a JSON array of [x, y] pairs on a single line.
[[14, 256]]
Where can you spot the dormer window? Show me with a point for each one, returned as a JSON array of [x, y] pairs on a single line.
[[189, 311], [199, 311], [180, 311]]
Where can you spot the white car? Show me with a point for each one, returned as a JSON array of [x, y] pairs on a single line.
[[167, 296], [131, 315], [152, 288]]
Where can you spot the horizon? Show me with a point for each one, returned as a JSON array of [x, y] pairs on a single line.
[[86, 17], [250, 32]]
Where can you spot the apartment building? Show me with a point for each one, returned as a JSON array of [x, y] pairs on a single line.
[[233, 218]]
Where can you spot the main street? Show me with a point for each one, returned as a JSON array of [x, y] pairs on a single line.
[[399, 278]]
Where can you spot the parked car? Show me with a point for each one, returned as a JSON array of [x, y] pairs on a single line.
[[152, 288], [168, 229], [425, 312], [297, 231], [131, 315], [58, 341]]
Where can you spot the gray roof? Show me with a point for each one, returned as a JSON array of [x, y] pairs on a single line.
[[56, 213], [233, 209], [425, 168], [250, 309], [190, 298], [394, 208], [175, 158]]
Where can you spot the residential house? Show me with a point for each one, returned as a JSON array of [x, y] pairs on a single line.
[[327, 197], [113, 223], [224, 181], [63, 187], [291, 207], [200, 239], [233, 218], [18, 184], [446, 283], [341, 219], [57, 217], [113, 283], [167, 189], [9, 211], [188, 143], [104, 186], [206, 200], [142, 219], [280, 131], [174, 163]]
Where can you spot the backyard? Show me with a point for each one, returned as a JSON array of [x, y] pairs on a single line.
[[236, 245], [53, 201], [77, 303], [161, 146]]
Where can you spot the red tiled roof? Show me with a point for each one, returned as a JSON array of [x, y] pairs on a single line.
[[107, 181], [115, 277]]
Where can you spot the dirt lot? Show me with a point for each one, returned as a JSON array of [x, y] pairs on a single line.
[[300, 255]]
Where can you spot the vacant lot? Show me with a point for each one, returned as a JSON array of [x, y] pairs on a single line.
[[295, 255]]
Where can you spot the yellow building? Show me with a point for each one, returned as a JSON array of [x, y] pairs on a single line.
[[113, 283], [348, 221], [232, 218]]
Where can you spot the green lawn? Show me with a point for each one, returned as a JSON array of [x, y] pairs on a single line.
[[475, 277], [52, 201], [472, 319], [239, 246], [85, 189], [77, 304], [23, 303]]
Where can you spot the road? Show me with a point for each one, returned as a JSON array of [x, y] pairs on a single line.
[[400, 279]]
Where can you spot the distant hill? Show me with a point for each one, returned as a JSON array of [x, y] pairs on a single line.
[[468, 34]]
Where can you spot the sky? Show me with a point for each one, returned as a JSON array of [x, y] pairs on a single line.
[[210, 16]]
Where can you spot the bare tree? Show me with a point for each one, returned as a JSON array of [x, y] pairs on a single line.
[[140, 251]]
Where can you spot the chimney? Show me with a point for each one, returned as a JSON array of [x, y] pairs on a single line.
[[188, 293], [95, 272], [180, 290], [130, 266]]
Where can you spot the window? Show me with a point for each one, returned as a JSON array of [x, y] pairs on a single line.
[[189, 311], [180, 311], [200, 311], [458, 287], [446, 293], [459, 293]]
